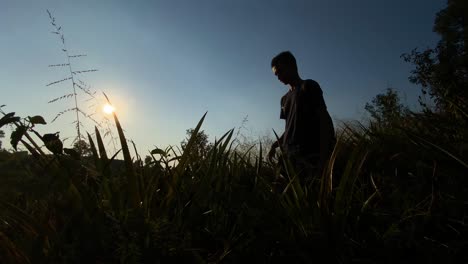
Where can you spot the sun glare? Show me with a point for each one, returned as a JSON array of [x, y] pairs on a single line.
[[108, 109]]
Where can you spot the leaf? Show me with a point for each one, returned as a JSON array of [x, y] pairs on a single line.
[[59, 81], [73, 153], [8, 118], [102, 149], [9, 115], [132, 179], [444, 151], [23, 219], [184, 159], [17, 135], [53, 143], [94, 151], [37, 120], [159, 151]]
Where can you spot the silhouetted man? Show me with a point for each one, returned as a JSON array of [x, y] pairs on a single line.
[[309, 136]]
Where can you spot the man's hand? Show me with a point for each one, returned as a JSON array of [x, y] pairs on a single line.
[[274, 146]]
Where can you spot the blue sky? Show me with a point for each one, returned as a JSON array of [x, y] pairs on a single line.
[[165, 63]]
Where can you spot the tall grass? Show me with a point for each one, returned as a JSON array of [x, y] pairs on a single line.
[[78, 91], [77, 84], [384, 194]]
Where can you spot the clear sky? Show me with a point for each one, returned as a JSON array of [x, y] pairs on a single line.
[[165, 63]]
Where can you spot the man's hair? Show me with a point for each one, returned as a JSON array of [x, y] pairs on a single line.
[[284, 58]]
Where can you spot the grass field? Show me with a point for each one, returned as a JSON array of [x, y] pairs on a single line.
[[390, 194]]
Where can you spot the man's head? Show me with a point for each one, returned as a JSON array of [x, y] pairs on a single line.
[[284, 66]]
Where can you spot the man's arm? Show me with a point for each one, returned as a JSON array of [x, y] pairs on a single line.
[[317, 105], [327, 137]]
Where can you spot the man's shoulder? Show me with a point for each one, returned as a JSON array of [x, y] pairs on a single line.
[[310, 82], [312, 86]]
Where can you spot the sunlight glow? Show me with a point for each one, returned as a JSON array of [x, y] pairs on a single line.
[[108, 109]]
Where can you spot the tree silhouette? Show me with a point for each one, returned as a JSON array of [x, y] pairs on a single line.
[[82, 148], [386, 109], [443, 71], [201, 146]]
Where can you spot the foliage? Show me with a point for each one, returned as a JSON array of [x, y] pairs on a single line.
[[82, 148], [372, 203], [386, 109], [201, 143], [442, 71]]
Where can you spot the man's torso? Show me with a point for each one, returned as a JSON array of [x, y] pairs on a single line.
[[301, 110]]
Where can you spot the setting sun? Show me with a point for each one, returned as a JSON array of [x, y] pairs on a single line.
[[108, 109]]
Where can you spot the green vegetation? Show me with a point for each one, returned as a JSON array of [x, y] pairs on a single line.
[[395, 189]]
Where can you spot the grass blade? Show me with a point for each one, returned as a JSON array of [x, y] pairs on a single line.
[[130, 172]]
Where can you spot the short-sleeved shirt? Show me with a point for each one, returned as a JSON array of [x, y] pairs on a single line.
[[305, 113]]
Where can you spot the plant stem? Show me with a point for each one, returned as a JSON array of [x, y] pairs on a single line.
[[74, 93]]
